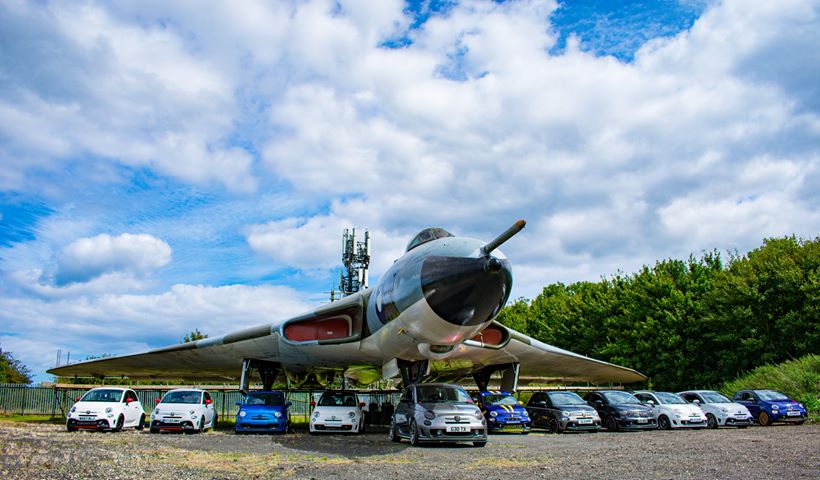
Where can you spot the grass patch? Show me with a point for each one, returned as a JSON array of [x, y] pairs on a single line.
[[799, 379], [33, 419]]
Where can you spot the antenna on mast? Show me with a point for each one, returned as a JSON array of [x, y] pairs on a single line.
[[356, 260]]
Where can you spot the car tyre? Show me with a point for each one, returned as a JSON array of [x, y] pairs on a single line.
[[711, 421], [763, 419], [414, 433], [141, 423], [153, 430], [393, 433], [119, 424], [799, 423], [553, 426], [610, 423], [664, 423], [214, 421], [70, 428], [201, 425]]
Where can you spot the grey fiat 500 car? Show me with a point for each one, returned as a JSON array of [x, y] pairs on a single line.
[[437, 412]]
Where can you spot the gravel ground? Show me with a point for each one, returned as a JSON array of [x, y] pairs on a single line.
[[47, 451]]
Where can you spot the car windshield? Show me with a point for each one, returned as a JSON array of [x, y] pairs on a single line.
[[102, 396], [669, 398], [771, 395], [620, 397], [269, 399], [714, 397], [184, 396], [337, 399], [566, 398], [441, 393], [499, 399]]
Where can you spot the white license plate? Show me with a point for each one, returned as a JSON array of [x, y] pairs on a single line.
[[172, 420], [584, 421], [643, 420], [458, 428], [793, 413], [740, 416], [695, 420], [87, 419]]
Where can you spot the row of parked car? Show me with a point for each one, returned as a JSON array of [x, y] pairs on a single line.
[[444, 412]]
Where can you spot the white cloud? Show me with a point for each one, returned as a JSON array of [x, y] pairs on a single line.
[[87, 258], [119, 324]]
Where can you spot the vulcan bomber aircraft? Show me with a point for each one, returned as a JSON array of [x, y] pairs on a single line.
[[430, 317]]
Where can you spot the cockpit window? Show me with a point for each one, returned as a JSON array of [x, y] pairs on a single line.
[[427, 235]]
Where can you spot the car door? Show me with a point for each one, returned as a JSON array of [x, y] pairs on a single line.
[[133, 407], [536, 408], [403, 412], [748, 400], [208, 405]]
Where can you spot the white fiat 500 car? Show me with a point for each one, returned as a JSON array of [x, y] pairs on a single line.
[[719, 410], [184, 409], [106, 408], [337, 411], [671, 410]]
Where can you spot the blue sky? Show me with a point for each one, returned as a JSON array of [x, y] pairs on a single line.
[[169, 167]]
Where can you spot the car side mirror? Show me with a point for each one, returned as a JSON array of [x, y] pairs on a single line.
[[312, 404], [208, 401], [540, 403], [696, 401], [287, 404], [77, 399], [128, 400], [361, 404], [158, 400], [650, 402], [598, 402], [239, 403]]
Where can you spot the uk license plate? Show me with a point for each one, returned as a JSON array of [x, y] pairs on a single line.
[[457, 429], [173, 420], [85, 418], [793, 413], [643, 420], [584, 421]]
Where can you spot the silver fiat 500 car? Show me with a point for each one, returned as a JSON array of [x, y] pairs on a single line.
[[437, 412]]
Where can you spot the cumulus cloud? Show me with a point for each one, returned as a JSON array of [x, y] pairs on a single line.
[[87, 258]]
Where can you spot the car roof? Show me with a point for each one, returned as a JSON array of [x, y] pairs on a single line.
[[494, 392], [110, 388], [266, 391], [186, 390]]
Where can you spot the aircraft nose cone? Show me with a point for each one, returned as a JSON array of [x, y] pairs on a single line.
[[466, 291]]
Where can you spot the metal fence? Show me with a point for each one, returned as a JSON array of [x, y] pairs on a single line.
[[56, 401]]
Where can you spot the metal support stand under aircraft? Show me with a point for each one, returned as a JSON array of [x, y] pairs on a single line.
[[268, 371], [509, 376], [413, 372]]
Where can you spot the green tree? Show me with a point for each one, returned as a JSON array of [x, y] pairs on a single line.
[[194, 336], [13, 370]]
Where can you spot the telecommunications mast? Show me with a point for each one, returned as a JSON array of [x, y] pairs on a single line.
[[356, 259]]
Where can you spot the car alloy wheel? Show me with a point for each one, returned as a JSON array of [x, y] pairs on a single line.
[[141, 423], [763, 419], [611, 423], [120, 423], [414, 433], [664, 423], [711, 421], [553, 426]]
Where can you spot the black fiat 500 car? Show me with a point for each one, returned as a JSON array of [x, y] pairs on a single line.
[[621, 410], [560, 411]]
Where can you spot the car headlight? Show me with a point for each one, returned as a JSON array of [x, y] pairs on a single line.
[[242, 413], [478, 414], [724, 410], [277, 414], [525, 414], [429, 415], [801, 405], [192, 413], [564, 414], [493, 414], [73, 409], [352, 415], [108, 410], [775, 408], [156, 411], [316, 414]]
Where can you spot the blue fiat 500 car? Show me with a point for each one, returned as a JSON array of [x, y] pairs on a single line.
[[262, 411], [503, 412], [768, 406]]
